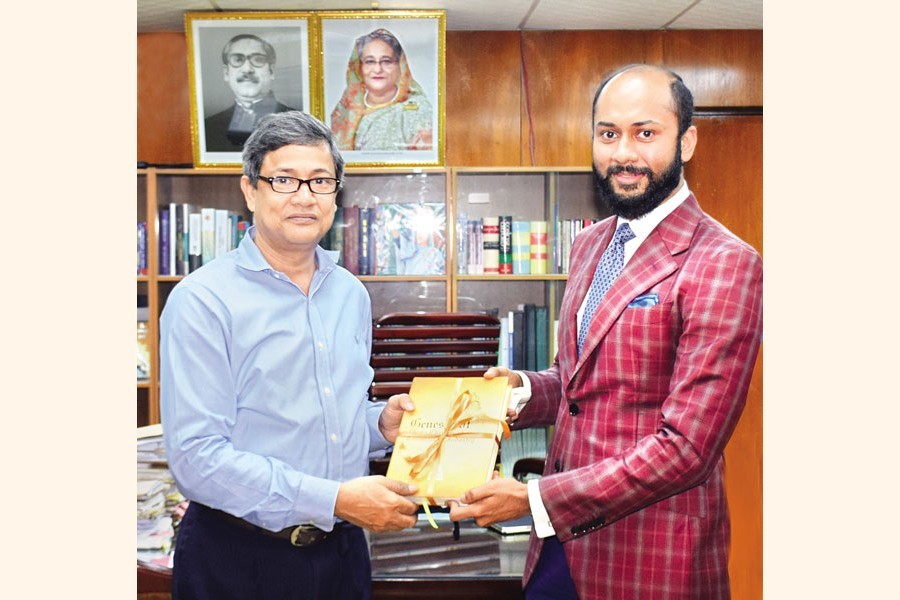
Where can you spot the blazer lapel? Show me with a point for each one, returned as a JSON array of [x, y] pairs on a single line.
[[653, 261]]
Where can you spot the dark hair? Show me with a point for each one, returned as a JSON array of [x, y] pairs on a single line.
[[379, 34], [682, 98], [270, 51], [284, 129]]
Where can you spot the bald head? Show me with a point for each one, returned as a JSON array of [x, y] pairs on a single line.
[[680, 99]]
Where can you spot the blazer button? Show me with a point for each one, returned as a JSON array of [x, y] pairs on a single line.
[[557, 466], [574, 409]]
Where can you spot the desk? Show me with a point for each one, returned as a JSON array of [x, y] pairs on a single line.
[[423, 562], [420, 563]]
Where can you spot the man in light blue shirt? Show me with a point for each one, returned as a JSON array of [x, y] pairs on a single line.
[[264, 377]]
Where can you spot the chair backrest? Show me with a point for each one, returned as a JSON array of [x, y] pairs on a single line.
[[406, 345]]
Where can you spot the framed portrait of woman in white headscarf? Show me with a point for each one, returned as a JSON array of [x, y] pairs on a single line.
[[383, 85]]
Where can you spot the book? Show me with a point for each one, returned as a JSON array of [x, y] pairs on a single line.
[[142, 248], [530, 336], [351, 239], [490, 228], [207, 234], [538, 247], [514, 526], [521, 247], [517, 330], [449, 443], [365, 241], [184, 243], [143, 339], [542, 337], [195, 257], [462, 244], [164, 242], [173, 241], [506, 255], [222, 232]]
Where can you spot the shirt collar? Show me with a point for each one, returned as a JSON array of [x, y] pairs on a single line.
[[249, 256], [643, 225]]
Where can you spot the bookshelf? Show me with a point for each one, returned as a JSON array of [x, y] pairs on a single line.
[[524, 193]]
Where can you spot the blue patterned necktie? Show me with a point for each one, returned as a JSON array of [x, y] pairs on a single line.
[[608, 268]]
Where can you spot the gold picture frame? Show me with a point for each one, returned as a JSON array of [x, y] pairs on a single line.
[[407, 129], [283, 46]]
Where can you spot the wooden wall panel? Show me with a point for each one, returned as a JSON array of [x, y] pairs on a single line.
[[726, 175], [564, 69], [721, 67], [163, 104], [482, 122]]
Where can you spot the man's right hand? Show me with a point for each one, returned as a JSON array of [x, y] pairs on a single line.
[[376, 503], [514, 379]]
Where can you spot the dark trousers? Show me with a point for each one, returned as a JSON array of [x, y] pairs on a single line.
[[218, 560], [551, 579]]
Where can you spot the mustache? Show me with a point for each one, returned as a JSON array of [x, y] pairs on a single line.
[[630, 169], [248, 77]]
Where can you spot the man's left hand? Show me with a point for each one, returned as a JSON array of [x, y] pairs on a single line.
[[389, 421]]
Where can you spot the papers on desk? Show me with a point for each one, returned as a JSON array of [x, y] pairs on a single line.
[[157, 496]]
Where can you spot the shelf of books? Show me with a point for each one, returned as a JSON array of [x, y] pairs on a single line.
[[420, 239]]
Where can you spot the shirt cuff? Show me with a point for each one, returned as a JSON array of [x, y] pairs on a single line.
[[542, 526], [520, 395]]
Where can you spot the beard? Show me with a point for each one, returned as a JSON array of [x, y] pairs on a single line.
[[659, 187]]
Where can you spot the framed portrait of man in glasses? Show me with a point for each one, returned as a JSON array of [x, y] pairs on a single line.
[[244, 66], [383, 85]]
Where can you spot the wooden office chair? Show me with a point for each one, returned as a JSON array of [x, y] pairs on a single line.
[[406, 345]]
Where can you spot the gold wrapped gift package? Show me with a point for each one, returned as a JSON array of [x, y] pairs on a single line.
[[449, 443]]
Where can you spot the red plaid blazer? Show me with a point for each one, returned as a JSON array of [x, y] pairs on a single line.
[[633, 482]]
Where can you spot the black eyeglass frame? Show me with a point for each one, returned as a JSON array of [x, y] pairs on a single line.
[[253, 58], [300, 182]]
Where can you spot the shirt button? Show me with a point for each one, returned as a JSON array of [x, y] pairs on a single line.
[[327, 390], [333, 437], [321, 346]]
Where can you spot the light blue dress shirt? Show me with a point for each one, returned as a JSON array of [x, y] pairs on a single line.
[[264, 389]]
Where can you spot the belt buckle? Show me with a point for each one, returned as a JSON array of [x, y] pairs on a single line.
[[307, 535]]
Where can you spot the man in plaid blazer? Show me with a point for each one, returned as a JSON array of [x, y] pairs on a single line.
[[632, 502]]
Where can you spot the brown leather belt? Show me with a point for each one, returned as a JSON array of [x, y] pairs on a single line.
[[298, 535]]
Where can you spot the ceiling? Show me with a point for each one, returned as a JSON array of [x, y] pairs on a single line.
[[493, 15]]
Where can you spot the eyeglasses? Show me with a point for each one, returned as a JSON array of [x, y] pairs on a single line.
[[385, 63], [257, 60], [289, 185]]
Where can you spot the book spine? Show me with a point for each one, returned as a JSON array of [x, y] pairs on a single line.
[[490, 228], [142, 248], [506, 266], [221, 232], [462, 244], [521, 247], [185, 238], [518, 337], [195, 242], [351, 239], [541, 338], [173, 237], [530, 337], [241, 231], [178, 255], [538, 247], [207, 234], [164, 242]]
